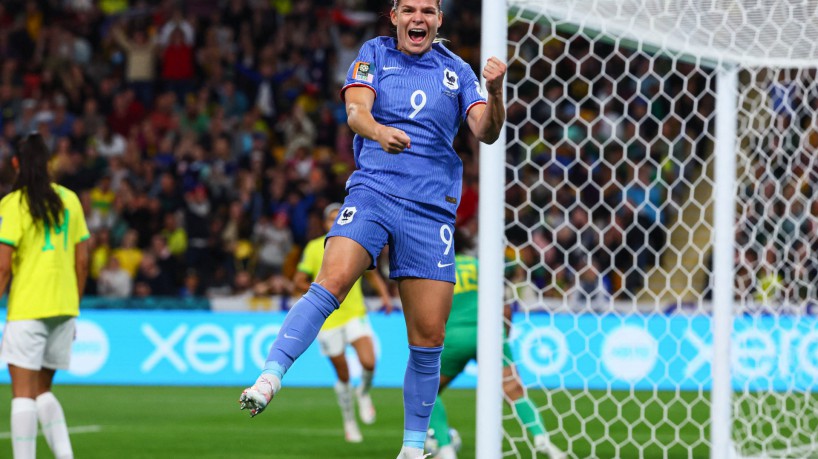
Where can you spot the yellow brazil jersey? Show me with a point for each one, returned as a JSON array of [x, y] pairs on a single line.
[[129, 259], [44, 282], [102, 200], [353, 306]]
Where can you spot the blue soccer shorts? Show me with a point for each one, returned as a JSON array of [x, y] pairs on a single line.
[[420, 236]]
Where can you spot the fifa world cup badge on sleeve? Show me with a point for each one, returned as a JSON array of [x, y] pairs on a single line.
[[362, 72]]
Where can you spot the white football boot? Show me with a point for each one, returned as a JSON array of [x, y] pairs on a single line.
[[366, 410], [258, 396], [352, 433]]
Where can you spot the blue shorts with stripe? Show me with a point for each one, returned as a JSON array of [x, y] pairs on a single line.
[[420, 236]]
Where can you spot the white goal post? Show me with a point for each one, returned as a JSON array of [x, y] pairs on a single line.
[[676, 326]]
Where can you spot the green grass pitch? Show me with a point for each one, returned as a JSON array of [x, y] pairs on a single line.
[[205, 422]]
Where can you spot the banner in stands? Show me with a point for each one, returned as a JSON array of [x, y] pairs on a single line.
[[560, 350]]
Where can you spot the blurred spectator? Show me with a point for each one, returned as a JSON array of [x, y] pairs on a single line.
[[177, 62], [191, 286], [644, 205], [100, 252], [591, 290], [101, 215], [174, 234], [126, 112], [114, 282], [61, 120], [197, 213], [26, 121], [769, 283], [151, 279], [140, 61], [177, 25], [265, 85], [128, 255], [233, 101], [274, 239], [299, 133]]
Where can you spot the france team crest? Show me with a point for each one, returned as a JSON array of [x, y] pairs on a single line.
[[346, 215], [450, 79]]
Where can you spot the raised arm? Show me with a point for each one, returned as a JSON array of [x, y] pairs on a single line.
[[359, 102], [485, 121], [120, 38]]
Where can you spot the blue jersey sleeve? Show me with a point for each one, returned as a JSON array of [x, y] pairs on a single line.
[[470, 93], [362, 71]]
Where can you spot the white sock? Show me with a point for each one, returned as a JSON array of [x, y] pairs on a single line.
[[366, 381], [344, 392], [52, 421], [24, 428]]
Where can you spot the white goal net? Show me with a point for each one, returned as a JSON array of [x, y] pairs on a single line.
[[610, 223]]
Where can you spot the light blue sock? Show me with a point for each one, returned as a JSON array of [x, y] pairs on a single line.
[[419, 393], [300, 328]]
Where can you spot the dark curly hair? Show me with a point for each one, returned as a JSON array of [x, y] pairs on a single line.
[[33, 179]]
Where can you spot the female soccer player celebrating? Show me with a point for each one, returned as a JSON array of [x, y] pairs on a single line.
[[43, 244], [405, 98]]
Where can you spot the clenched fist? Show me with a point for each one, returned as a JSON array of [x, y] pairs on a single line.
[[493, 72]]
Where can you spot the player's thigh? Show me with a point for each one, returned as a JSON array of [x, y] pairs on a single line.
[[459, 347], [61, 334], [24, 382], [421, 243], [332, 342], [345, 260], [355, 240], [24, 343], [426, 306]]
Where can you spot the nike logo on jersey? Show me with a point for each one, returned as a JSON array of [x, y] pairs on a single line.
[[292, 337], [390, 68], [427, 403], [441, 265]]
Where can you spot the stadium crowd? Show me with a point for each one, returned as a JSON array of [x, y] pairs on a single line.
[[603, 163], [204, 138], [777, 230]]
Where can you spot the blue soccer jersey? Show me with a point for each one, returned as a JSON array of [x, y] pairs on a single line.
[[427, 96]]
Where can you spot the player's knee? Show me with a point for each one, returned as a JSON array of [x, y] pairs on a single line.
[[338, 288], [367, 363], [429, 338], [512, 389]]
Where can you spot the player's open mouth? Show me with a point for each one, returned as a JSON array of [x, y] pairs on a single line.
[[417, 35]]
